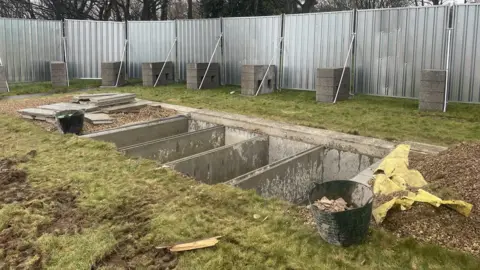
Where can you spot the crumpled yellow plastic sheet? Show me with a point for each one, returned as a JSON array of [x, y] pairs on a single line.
[[393, 175]]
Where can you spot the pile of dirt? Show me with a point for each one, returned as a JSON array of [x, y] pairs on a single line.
[[452, 174]]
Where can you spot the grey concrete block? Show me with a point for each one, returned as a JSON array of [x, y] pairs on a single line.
[[433, 75], [195, 76], [329, 98], [349, 165], [332, 72], [429, 106], [224, 163], [324, 98], [140, 133], [58, 73], [331, 165], [434, 97], [111, 71], [433, 86], [110, 65], [252, 76], [151, 71], [289, 179], [327, 83]]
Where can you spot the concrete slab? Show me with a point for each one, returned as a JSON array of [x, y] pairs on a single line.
[[87, 97], [224, 163], [139, 133], [289, 179], [129, 107], [179, 146], [98, 118], [57, 107], [37, 112]]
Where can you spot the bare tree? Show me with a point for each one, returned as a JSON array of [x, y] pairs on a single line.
[[190, 9]]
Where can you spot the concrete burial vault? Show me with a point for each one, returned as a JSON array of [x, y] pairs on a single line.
[[275, 159]]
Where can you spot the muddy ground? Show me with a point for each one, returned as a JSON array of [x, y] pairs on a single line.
[[27, 213]]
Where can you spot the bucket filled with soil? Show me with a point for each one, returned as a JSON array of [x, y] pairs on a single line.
[[342, 210]]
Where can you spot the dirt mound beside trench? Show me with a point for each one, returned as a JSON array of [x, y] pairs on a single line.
[[452, 174]]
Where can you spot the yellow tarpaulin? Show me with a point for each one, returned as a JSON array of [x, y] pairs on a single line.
[[393, 175]]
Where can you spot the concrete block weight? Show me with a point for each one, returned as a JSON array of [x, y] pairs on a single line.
[[252, 76], [432, 90], [196, 72]]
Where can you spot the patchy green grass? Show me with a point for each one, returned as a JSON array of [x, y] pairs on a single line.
[[381, 117], [118, 209], [46, 87]]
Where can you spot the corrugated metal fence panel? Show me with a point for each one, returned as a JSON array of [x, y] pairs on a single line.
[[465, 65], [28, 46], [312, 41], [89, 43], [250, 41], [394, 45], [149, 41], [196, 42]]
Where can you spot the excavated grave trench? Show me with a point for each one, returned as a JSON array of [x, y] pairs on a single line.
[[213, 153]]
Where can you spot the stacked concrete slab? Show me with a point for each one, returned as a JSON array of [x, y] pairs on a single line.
[[110, 72], [151, 71], [432, 90], [196, 71], [327, 81], [252, 76], [3, 80], [58, 73]]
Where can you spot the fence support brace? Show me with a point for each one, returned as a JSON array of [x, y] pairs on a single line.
[[269, 64], [344, 67], [445, 98], [6, 80], [209, 62], [165, 62], [121, 63], [66, 62]]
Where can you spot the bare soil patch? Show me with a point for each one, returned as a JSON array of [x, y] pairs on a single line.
[[45, 211]]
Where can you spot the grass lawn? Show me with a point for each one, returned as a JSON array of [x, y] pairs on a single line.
[[385, 118], [46, 87], [84, 205]]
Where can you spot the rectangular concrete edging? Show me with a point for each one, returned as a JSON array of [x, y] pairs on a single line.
[[224, 163], [289, 179], [178, 146], [331, 139], [142, 132]]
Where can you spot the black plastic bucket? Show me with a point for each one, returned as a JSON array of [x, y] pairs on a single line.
[[70, 121], [348, 227]]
